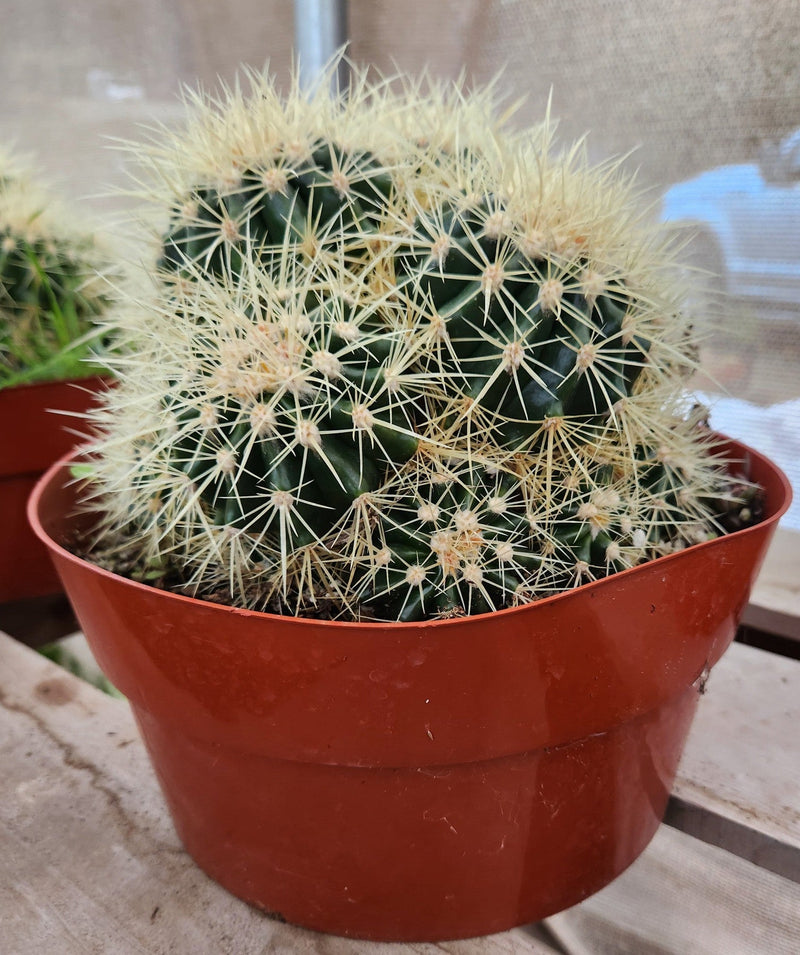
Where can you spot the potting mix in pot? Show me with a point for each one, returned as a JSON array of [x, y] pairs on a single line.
[[398, 363], [403, 401]]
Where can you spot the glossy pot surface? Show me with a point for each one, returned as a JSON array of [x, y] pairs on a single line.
[[33, 437], [419, 781]]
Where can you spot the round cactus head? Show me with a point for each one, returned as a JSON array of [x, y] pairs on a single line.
[[398, 362], [50, 293]]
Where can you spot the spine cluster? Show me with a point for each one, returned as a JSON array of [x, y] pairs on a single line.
[[397, 363]]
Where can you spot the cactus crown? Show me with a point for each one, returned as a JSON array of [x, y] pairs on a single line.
[[398, 362], [50, 292]]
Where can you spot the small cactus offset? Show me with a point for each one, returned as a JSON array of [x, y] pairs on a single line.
[[50, 292], [398, 363]]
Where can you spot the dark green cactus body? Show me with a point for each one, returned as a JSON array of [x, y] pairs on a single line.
[[314, 421], [521, 342], [414, 370], [525, 353], [461, 541], [268, 217], [520, 355], [273, 209]]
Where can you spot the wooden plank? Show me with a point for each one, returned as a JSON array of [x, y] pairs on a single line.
[[682, 897], [89, 861], [775, 601], [738, 784]]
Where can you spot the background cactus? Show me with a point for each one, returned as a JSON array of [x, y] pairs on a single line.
[[399, 362], [50, 292]]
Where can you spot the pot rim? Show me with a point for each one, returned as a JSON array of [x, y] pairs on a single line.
[[74, 380], [724, 442]]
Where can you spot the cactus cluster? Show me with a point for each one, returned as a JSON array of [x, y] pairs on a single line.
[[50, 292], [398, 362]]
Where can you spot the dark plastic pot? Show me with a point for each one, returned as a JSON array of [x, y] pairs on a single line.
[[419, 781], [31, 439]]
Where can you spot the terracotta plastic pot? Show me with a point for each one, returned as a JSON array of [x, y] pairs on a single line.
[[419, 781], [31, 439]]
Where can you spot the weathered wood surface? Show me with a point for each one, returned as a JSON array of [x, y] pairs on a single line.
[[775, 601], [739, 780], [682, 897], [89, 861]]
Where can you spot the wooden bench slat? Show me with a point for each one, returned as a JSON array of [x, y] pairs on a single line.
[[683, 897], [774, 605], [738, 784]]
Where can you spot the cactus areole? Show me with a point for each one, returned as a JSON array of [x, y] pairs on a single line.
[[399, 533]]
